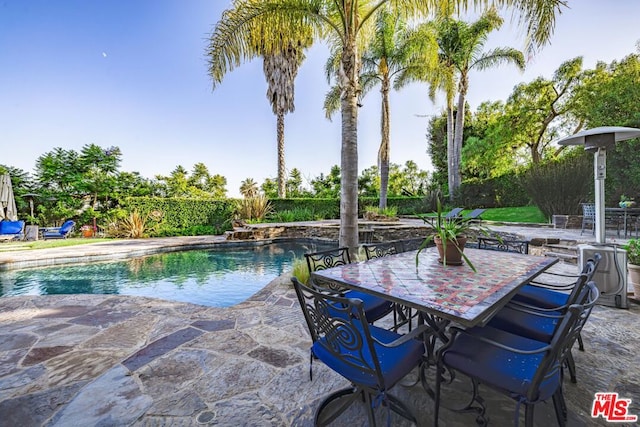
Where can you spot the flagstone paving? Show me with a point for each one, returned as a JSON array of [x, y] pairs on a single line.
[[106, 360]]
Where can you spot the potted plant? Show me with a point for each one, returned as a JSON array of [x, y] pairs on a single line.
[[633, 265], [450, 236], [87, 231]]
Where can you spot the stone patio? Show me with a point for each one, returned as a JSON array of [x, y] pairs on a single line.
[[88, 360]]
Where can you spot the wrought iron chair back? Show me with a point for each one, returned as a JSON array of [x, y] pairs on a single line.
[[412, 244], [345, 342], [504, 245], [378, 250], [326, 259], [498, 360]]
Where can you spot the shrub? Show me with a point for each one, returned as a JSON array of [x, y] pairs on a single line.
[[253, 208], [135, 225], [558, 187], [300, 269], [297, 214], [181, 214]]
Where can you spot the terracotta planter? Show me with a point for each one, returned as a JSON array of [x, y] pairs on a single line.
[[453, 255], [87, 233], [634, 278]]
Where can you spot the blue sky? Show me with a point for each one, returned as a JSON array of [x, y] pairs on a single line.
[[133, 73]]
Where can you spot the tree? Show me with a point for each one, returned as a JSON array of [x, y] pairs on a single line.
[[538, 112], [281, 46], [249, 188], [609, 96], [392, 50], [461, 49], [343, 22]]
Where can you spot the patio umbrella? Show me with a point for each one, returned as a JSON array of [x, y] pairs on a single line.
[[597, 140], [8, 208]]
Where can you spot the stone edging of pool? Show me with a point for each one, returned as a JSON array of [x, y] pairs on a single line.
[[124, 249]]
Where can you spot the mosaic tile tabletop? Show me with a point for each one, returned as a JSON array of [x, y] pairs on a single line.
[[456, 293]]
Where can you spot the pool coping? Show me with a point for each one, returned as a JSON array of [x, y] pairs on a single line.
[[126, 249]]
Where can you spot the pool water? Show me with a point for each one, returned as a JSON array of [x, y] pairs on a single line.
[[217, 277]]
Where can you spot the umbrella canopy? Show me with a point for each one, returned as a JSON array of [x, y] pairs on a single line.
[[8, 208], [597, 140]]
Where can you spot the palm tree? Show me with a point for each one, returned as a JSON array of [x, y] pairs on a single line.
[[343, 21], [280, 70], [281, 60], [391, 51], [249, 188], [462, 45]]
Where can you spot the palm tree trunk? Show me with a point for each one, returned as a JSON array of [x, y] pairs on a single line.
[[349, 150], [457, 140], [282, 189], [450, 152], [383, 154]]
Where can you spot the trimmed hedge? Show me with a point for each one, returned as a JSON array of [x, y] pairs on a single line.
[[330, 208], [504, 191], [184, 214]]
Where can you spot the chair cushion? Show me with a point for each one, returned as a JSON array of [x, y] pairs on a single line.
[[526, 324], [11, 227], [395, 362], [66, 227], [541, 297], [374, 307], [502, 369]]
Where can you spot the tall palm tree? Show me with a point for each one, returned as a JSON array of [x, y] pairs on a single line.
[[461, 45], [344, 21], [280, 70], [393, 49], [281, 47]]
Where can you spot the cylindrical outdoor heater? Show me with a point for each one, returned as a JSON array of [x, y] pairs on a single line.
[[611, 276]]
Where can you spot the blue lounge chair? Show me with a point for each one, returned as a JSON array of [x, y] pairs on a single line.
[[11, 230], [58, 232]]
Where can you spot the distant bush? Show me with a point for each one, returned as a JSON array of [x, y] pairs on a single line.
[[503, 191], [180, 215], [558, 187], [297, 214]]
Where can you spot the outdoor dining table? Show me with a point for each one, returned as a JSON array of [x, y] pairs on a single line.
[[454, 293], [625, 213], [441, 294]]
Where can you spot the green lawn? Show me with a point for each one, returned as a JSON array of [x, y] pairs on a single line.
[[529, 214], [43, 244]]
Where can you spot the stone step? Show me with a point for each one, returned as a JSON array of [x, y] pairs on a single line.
[[565, 257], [564, 249]]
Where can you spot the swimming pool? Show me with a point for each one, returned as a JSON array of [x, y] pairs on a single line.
[[219, 277]]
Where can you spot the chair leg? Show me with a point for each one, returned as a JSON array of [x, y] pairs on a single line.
[[560, 407], [571, 365], [580, 343], [347, 397], [528, 414]]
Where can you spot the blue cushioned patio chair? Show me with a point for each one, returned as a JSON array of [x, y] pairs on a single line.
[[538, 323], [371, 358], [526, 370], [61, 232], [375, 307]]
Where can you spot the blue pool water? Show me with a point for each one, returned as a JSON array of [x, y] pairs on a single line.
[[220, 277]]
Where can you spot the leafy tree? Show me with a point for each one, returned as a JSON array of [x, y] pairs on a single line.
[[344, 22], [294, 184], [327, 186], [408, 180], [270, 188], [201, 184], [610, 96], [537, 113], [461, 49]]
